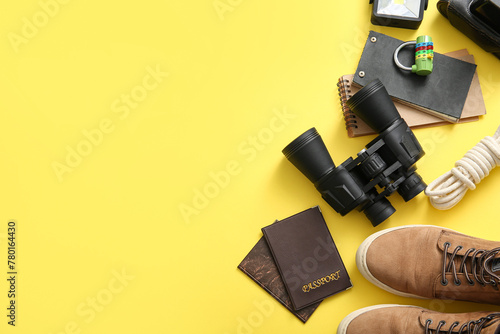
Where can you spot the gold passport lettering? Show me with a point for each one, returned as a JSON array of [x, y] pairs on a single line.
[[319, 282]]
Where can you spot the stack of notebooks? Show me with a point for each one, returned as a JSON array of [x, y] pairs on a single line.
[[451, 94], [297, 262]]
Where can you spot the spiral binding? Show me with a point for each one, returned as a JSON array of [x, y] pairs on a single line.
[[344, 90]]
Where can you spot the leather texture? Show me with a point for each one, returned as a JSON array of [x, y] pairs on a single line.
[[412, 320], [442, 93], [259, 265], [458, 12], [307, 258], [411, 261]]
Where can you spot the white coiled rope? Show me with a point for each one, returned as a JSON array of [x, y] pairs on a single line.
[[448, 189]]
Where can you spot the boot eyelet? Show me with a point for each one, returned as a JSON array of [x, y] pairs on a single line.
[[447, 244], [440, 324], [471, 283], [453, 325], [428, 321], [457, 283], [444, 282]]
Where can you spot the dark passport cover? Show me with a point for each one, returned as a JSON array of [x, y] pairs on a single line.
[[441, 93], [259, 265], [307, 258]]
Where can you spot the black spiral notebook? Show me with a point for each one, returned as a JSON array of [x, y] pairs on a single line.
[[442, 93]]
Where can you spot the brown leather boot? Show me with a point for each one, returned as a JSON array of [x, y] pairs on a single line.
[[432, 262], [382, 319]]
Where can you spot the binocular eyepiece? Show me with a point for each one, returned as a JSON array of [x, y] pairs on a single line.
[[387, 162]]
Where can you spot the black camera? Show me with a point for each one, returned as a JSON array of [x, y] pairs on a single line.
[[477, 19], [386, 164]]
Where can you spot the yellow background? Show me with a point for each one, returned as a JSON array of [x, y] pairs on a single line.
[[103, 246]]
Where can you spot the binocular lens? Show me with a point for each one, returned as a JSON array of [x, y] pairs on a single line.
[[309, 154], [374, 106], [379, 211], [411, 187]]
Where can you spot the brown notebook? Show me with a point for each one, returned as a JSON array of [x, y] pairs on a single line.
[[307, 258], [473, 108], [259, 265]]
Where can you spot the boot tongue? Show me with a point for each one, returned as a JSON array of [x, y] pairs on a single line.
[[495, 266], [493, 327], [487, 325], [490, 263]]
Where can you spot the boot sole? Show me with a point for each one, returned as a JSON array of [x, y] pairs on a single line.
[[363, 267], [342, 328]]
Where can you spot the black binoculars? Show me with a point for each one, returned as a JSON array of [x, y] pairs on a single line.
[[387, 163]]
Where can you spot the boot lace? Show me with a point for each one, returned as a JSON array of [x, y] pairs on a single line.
[[470, 327], [480, 266]]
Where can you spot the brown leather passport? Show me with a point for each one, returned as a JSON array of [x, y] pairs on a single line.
[[307, 258], [259, 265]]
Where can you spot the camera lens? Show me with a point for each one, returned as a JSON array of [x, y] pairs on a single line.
[[374, 106], [379, 211], [411, 187], [309, 154]]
